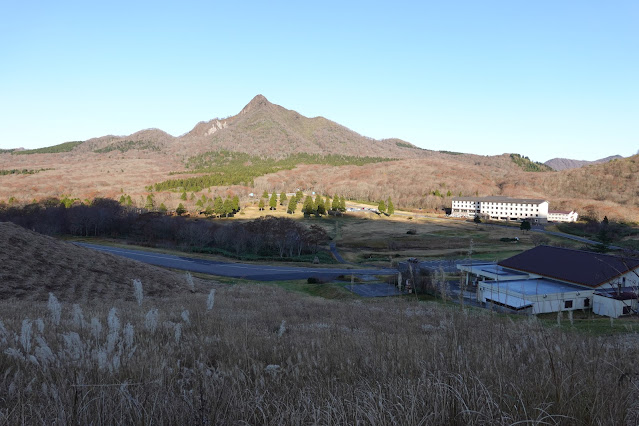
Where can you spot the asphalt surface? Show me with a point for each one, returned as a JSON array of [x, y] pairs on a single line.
[[235, 270], [374, 290]]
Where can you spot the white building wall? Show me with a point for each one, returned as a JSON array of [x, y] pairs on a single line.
[[614, 308], [501, 209], [553, 302]]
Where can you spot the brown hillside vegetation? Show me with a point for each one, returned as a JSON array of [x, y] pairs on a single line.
[[111, 166], [32, 265]]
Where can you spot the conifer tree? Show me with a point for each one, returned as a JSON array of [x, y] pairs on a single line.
[[228, 207], [218, 206], [261, 204], [342, 203], [308, 208], [272, 203], [183, 196], [299, 195], [283, 198], [381, 206], [236, 204], [390, 207], [292, 205], [149, 202], [336, 204], [265, 194], [319, 205], [180, 210]]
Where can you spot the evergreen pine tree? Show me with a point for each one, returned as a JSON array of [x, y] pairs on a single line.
[[299, 195], [283, 198], [292, 205], [265, 194], [261, 204], [319, 205], [236, 204], [335, 205], [218, 206], [272, 203], [308, 208], [342, 204], [228, 207], [183, 196], [149, 202], [162, 208], [180, 210], [390, 207], [122, 199], [381, 206]]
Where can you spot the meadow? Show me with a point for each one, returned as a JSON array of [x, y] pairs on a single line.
[[258, 354]]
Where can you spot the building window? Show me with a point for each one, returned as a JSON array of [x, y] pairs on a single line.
[[568, 304], [586, 303]]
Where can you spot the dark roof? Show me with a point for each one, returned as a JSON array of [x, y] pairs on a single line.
[[574, 266], [625, 293], [500, 199]]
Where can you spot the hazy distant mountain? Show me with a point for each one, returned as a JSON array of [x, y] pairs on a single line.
[[566, 163]]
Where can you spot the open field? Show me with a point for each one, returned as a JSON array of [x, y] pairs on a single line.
[[263, 355]]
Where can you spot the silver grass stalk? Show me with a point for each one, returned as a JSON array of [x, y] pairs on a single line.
[[128, 335], [137, 291], [189, 282], [186, 316], [151, 320], [96, 328], [211, 300], [55, 309], [113, 321], [25, 335], [77, 316]]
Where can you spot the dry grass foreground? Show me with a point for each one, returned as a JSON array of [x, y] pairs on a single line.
[[32, 265], [255, 354]]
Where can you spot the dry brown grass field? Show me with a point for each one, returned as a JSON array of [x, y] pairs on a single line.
[[32, 265], [262, 355], [80, 345]]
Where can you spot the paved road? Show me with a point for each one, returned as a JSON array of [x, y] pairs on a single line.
[[235, 270], [374, 290]]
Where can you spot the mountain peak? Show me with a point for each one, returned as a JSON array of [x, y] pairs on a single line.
[[257, 102]]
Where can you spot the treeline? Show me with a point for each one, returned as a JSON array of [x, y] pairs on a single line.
[[318, 206], [55, 149], [21, 171], [266, 237], [127, 145], [528, 165], [236, 168]]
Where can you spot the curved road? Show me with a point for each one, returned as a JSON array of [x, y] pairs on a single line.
[[235, 270]]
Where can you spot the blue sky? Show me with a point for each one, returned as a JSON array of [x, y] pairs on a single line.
[[542, 78]]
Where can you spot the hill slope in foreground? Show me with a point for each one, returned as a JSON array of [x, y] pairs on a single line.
[[32, 265]]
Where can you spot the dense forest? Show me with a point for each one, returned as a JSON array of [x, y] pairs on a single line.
[[236, 168]]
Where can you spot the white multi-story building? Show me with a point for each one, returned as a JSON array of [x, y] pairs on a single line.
[[562, 216], [501, 208]]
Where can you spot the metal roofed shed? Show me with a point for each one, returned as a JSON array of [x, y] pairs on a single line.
[[615, 302], [540, 294]]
